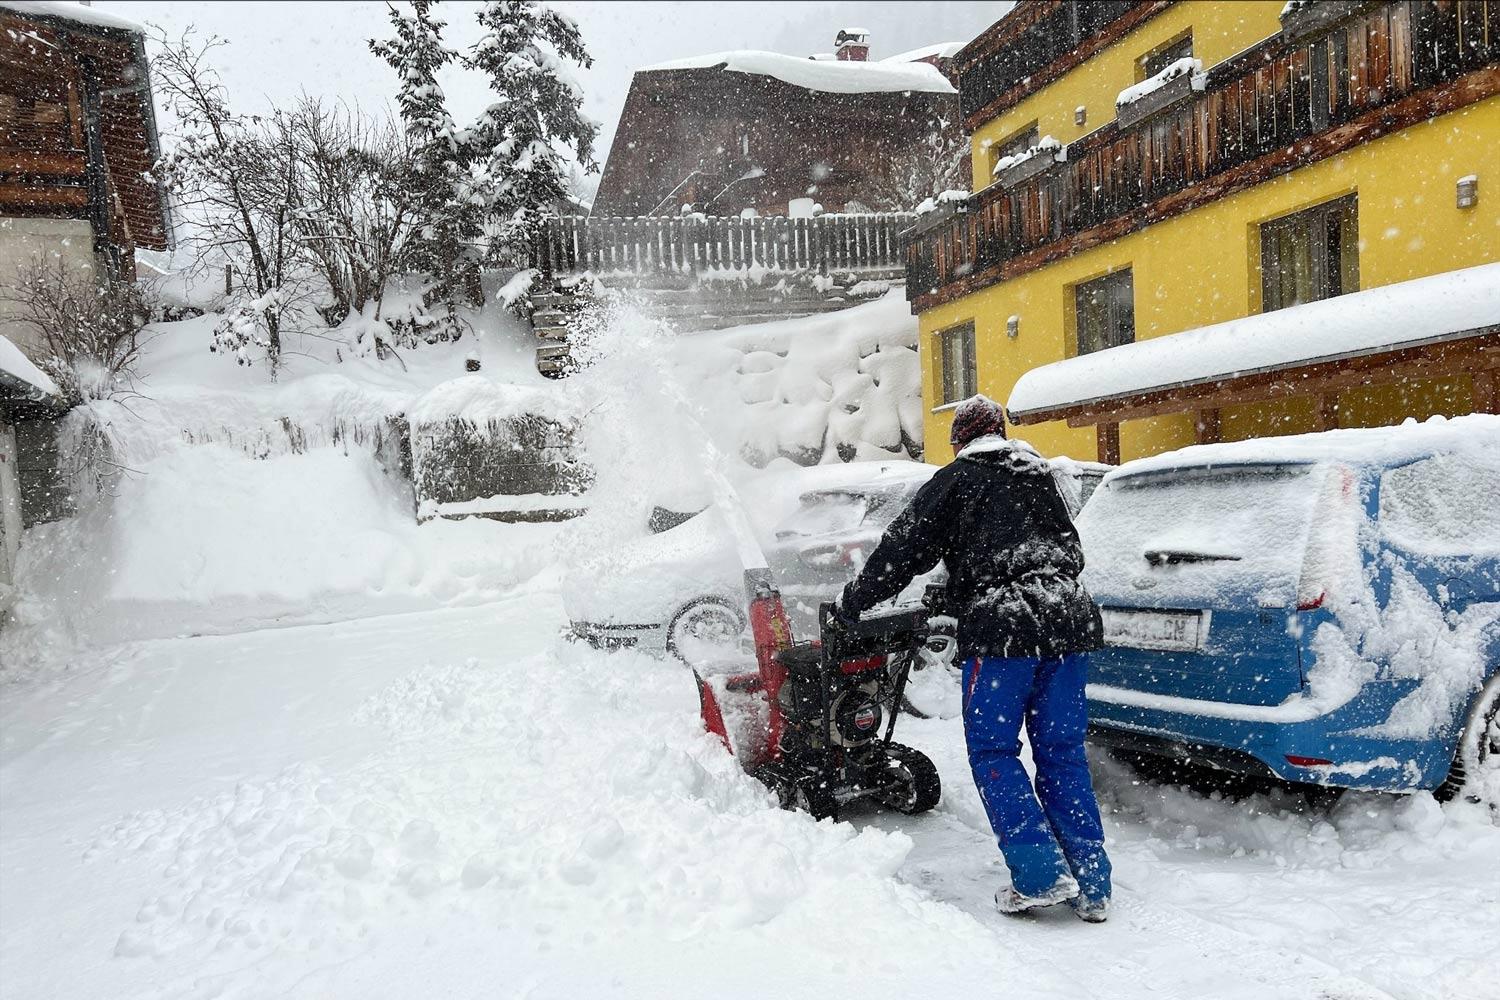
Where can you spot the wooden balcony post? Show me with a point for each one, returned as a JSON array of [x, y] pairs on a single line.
[[1487, 391], [1209, 426], [1109, 443], [1328, 411]]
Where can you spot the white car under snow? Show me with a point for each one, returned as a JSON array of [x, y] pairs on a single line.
[[681, 590]]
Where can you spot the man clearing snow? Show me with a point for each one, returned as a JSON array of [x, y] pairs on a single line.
[[1025, 626]]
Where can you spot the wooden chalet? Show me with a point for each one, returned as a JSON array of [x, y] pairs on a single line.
[[77, 137], [759, 130]]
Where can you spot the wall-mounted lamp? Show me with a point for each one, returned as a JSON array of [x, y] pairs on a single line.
[[1013, 327], [1080, 115], [1468, 191]]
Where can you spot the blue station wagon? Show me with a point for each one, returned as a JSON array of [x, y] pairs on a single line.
[[1322, 608]]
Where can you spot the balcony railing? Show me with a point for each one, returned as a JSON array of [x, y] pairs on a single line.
[[1059, 31], [696, 244], [1266, 111]]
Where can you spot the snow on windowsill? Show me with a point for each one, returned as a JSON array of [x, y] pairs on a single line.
[[1149, 86], [949, 197], [1405, 314], [1047, 144], [829, 77]]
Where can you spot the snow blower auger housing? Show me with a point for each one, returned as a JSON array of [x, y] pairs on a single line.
[[815, 722]]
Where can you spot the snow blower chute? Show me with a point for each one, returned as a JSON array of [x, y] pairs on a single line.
[[814, 721]]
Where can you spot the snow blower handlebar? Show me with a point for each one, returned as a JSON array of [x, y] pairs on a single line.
[[924, 631]]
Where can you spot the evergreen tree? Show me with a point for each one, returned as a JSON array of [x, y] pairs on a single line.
[[441, 247], [516, 172]]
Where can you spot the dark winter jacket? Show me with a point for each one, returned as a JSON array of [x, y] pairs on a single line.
[[995, 519]]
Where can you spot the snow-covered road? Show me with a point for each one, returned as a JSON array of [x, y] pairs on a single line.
[[458, 803]]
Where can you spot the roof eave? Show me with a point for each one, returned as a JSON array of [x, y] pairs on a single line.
[[1216, 383]]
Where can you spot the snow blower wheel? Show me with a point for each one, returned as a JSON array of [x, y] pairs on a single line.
[[917, 785]]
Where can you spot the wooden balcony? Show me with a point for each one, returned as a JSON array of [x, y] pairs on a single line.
[[1292, 100]]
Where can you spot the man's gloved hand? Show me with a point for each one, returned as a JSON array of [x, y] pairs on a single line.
[[842, 617]]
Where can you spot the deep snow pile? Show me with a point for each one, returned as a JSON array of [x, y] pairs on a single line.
[[843, 386], [238, 502], [446, 804], [455, 803], [241, 502]]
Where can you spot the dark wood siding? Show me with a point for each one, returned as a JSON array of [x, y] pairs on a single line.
[[55, 72], [687, 135]]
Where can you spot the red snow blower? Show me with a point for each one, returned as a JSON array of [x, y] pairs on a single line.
[[814, 721]]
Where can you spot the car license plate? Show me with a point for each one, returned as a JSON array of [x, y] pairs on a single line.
[[1178, 631]]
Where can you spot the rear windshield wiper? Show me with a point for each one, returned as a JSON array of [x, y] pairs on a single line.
[[1170, 557]]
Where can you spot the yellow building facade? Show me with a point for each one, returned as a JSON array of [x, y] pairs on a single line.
[[1204, 265]]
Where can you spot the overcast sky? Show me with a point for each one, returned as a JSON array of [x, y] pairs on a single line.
[[277, 50]]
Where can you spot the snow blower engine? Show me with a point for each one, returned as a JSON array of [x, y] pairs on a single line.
[[814, 721]]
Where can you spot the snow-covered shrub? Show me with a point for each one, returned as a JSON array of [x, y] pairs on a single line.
[[86, 326], [473, 440]]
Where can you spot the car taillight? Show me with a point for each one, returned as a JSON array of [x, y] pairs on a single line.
[[1311, 604], [1297, 760]]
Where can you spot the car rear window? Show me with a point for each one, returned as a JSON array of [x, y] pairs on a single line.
[[1231, 536], [1447, 505], [825, 513]]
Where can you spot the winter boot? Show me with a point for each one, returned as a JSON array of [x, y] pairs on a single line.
[[1090, 911], [1008, 900]]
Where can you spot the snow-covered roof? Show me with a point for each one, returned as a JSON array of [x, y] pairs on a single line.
[[1477, 433], [813, 74], [19, 367], [75, 12], [1392, 317], [940, 50]]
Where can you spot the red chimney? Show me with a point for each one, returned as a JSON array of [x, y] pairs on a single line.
[[853, 44]]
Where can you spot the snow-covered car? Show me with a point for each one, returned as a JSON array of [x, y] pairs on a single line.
[[681, 588], [1322, 608]]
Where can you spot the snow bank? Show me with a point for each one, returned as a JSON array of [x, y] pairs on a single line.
[[838, 386], [212, 540], [209, 539], [434, 805], [830, 76], [1405, 314]]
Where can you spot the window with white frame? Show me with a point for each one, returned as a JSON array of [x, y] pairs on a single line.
[[957, 378]]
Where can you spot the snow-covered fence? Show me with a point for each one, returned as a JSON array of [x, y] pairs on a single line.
[[697, 244]]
